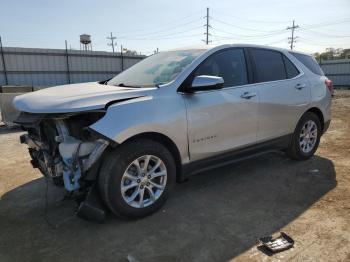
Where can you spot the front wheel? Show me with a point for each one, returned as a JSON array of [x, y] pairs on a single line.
[[136, 178], [306, 137]]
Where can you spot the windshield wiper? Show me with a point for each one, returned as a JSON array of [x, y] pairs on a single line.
[[104, 82], [159, 84], [124, 85]]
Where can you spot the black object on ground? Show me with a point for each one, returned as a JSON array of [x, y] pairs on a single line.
[[92, 208], [269, 245]]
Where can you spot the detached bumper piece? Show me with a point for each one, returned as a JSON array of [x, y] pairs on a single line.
[[270, 246], [92, 208]]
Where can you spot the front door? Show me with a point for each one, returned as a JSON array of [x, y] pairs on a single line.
[[225, 119]]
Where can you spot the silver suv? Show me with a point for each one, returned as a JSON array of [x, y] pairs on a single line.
[[130, 138]]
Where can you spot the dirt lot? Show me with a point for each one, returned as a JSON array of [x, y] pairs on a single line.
[[216, 216]]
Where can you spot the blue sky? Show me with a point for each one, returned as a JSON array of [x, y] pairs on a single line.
[[146, 25]]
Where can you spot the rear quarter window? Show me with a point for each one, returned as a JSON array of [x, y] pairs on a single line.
[[291, 70], [309, 62]]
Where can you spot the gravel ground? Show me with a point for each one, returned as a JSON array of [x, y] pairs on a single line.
[[215, 216]]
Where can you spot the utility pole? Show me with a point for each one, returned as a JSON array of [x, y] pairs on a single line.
[[3, 62], [207, 25], [122, 58], [292, 39], [112, 38], [67, 63]]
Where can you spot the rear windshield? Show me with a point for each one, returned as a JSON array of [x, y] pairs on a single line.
[[310, 63]]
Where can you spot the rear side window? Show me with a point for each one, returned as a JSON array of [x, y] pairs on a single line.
[[229, 64], [291, 70], [310, 63], [269, 65]]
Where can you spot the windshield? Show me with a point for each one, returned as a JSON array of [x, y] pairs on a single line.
[[157, 69]]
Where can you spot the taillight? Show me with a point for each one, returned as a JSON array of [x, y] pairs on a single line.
[[329, 85]]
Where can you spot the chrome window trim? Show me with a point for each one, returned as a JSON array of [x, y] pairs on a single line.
[[301, 72], [243, 86]]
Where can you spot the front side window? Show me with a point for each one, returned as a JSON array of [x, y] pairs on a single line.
[[157, 69], [269, 65], [228, 64]]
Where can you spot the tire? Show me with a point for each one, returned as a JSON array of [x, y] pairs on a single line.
[[113, 177], [305, 143]]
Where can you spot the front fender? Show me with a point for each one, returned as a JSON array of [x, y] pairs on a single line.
[[165, 115]]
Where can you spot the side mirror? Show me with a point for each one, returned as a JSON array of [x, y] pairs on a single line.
[[204, 82]]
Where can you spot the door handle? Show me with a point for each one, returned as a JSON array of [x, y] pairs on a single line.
[[248, 95], [300, 86]]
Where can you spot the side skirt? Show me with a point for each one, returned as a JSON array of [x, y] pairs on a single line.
[[236, 155]]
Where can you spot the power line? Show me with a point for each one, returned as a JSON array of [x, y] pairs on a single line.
[[324, 24], [316, 42], [249, 36], [173, 22], [168, 32], [292, 39], [238, 28], [166, 36], [321, 34], [251, 20], [276, 42], [112, 38], [245, 28], [165, 30]]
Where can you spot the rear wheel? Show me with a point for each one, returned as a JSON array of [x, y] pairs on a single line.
[[306, 137], [136, 178]]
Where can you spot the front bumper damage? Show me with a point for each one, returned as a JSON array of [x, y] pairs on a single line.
[[67, 157]]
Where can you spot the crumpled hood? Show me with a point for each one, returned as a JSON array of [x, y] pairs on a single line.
[[75, 97]]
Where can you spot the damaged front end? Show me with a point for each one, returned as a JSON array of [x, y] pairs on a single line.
[[65, 149]]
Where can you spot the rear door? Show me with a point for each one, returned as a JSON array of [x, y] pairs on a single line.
[[225, 119], [283, 90]]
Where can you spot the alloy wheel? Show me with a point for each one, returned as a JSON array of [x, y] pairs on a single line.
[[308, 136], [144, 181]]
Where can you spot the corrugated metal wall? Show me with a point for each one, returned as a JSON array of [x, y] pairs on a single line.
[[337, 70], [49, 67]]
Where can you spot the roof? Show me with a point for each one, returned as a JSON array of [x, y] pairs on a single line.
[[207, 47]]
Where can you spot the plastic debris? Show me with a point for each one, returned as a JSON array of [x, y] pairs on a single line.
[[314, 171], [131, 258], [270, 245]]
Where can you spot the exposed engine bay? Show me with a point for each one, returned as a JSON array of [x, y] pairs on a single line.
[[64, 148]]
